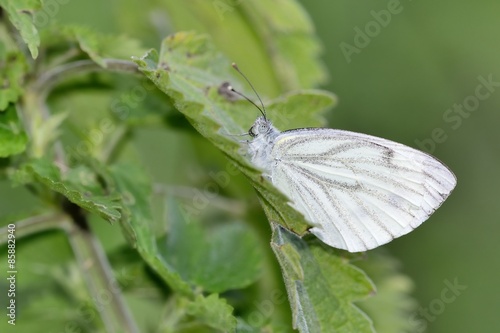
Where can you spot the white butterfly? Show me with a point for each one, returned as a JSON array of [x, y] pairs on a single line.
[[356, 190]]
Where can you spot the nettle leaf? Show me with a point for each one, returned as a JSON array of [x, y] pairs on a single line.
[[21, 13], [276, 39], [12, 70], [214, 312], [391, 309], [135, 189], [80, 185], [215, 258], [321, 285], [190, 71], [13, 139], [223, 258]]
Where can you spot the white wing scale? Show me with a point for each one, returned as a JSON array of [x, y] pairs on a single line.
[[358, 191]]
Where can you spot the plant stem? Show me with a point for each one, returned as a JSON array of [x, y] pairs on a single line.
[[99, 277], [50, 78], [34, 224]]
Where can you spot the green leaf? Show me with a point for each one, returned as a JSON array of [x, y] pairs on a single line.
[[276, 40], [213, 312], [80, 185], [392, 306], [13, 139], [321, 285], [21, 15], [12, 70], [190, 71], [135, 189], [215, 258]]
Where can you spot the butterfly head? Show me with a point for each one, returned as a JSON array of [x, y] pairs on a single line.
[[261, 126]]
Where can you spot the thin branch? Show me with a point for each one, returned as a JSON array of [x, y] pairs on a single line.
[[98, 274], [35, 224], [50, 78]]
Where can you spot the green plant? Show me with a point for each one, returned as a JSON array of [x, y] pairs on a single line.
[[73, 108]]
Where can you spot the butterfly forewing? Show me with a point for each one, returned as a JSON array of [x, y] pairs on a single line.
[[358, 191]]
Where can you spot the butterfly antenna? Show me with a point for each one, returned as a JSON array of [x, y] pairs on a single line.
[[263, 109]]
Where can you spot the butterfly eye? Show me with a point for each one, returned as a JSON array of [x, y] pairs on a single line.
[[252, 132]]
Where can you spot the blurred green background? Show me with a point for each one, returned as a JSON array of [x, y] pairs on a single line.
[[399, 86]]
